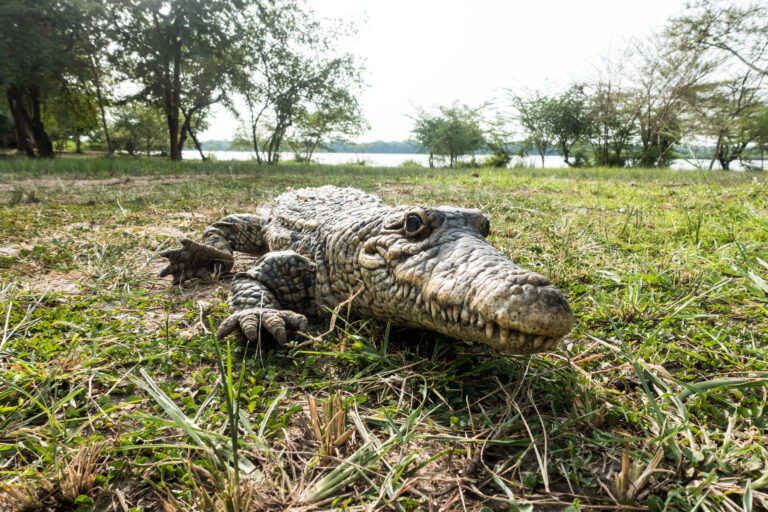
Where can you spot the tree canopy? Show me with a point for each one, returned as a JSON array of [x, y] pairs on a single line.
[[64, 60], [450, 132]]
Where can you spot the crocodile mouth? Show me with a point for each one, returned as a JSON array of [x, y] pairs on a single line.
[[508, 340], [499, 333]]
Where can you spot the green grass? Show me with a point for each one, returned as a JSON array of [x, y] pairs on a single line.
[[112, 389]]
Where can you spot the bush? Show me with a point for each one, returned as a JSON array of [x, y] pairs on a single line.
[[501, 159], [411, 164]]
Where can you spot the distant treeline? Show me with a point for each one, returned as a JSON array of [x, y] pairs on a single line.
[[134, 76], [700, 81], [412, 148], [403, 147]]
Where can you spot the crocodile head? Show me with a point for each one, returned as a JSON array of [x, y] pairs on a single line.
[[432, 268]]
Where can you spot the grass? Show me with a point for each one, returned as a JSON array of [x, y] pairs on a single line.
[[115, 396]]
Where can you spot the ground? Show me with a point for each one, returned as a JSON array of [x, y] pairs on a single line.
[[114, 395]]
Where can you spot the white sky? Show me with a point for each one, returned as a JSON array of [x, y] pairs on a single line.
[[428, 52]]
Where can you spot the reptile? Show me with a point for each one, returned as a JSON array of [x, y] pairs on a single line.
[[416, 266]]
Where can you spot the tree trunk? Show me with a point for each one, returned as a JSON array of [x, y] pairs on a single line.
[[43, 143], [722, 157], [565, 151], [197, 144], [173, 103], [255, 143], [312, 150], [78, 146], [183, 131], [102, 108], [20, 121], [718, 146]]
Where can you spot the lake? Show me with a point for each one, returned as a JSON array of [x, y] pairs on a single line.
[[395, 159]]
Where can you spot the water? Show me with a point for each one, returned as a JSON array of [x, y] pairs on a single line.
[[396, 160]]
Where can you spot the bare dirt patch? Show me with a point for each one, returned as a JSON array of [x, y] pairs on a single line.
[[13, 249], [81, 184], [57, 282], [530, 191]]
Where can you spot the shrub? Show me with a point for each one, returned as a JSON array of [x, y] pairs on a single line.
[[411, 164], [500, 159]]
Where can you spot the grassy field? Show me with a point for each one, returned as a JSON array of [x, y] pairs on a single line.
[[115, 396]]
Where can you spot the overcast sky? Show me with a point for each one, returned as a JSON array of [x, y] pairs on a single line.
[[427, 52]]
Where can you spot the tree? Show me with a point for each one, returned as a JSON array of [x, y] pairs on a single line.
[[427, 132], [182, 52], [461, 133], [95, 44], [732, 40], [293, 66], [71, 115], [727, 30], [568, 121], [456, 130], [38, 51], [535, 115], [611, 112], [139, 127], [756, 128], [724, 112], [337, 115], [666, 81]]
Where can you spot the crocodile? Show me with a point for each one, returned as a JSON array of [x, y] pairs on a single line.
[[416, 266]]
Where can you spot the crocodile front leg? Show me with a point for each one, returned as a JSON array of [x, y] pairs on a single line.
[[275, 295], [213, 257]]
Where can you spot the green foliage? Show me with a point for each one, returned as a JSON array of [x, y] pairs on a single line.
[[455, 131], [139, 128], [411, 164], [534, 114], [497, 160], [182, 53], [568, 121], [42, 50], [336, 114], [295, 74], [730, 31]]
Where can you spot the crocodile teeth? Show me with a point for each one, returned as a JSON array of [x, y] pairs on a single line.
[[464, 316], [456, 313], [480, 322], [418, 299], [444, 315], [489, 329], [504, 334]]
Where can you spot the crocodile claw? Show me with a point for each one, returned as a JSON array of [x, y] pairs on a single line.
[[250, 321], [195, 260]]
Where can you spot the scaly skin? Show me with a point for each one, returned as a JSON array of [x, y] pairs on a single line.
[[417, 266]]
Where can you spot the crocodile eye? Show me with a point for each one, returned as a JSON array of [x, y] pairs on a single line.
[[413, 224]]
